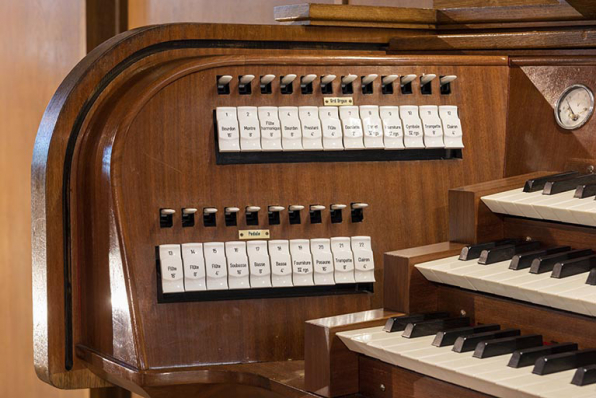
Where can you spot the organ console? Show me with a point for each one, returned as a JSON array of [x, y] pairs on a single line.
[[381, 207]]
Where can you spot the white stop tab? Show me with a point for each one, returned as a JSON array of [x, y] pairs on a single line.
[[432, 126], [413, 136], [343, 261], [216, 267], [291, 129], [171, 269], [452, 131], [194, 267], [228, 135], [392, 127], [352, 127], [302, 268], [270, 128], [332, 130], [322, 261], [237, 265], [259, 264], [250, 130], [372, 127], [364, 262], [311, 128], [281, 263]]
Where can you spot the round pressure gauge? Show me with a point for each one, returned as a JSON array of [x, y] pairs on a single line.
[[574, 107]]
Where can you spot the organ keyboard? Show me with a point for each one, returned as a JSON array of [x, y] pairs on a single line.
[[224, 210]]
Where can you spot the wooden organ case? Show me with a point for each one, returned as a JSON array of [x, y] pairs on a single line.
[[133, 163]]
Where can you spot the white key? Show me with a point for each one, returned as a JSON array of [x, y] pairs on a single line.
[[302, 266], [259, 263], [291, 129], [364, 262], [194, 267], [432, 126], [585, 214], [352, 127], [392, 127], [216, 269], [311, 128], [228, 135], [545, 207], [332, 130], [270, 128], [427, 268], [413, 134], [372, 126], [172, 274], [493, 201], [322, 261], [343, 261], [281, 263], [522, 204]]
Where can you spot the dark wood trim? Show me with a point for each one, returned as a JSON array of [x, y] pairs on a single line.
[[104, 19]]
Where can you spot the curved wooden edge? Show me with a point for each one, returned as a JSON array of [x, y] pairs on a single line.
[[55, 139]]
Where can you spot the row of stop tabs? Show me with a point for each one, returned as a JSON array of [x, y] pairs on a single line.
[[331, 128], [265, 264]]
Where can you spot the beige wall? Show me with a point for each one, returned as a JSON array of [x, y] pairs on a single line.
[[148, 12], [40, 42]]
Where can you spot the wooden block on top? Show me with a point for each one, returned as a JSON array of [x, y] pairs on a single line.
[[331, 369], [470, 220], [405, 289], [360, 16]]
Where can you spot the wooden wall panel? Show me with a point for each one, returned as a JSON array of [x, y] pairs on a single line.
[[40, 42]]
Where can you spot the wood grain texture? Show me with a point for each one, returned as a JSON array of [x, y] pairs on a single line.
[[405, 289], [104, 19], [331, 369], [527, 146], [381, 380], [470, 220], [113, 231]]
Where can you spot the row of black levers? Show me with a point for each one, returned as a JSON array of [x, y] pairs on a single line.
[[584, 184], [561, 261], [490, 340]]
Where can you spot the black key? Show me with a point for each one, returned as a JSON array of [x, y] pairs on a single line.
[[469, 342], [524, 260], [448, 337], [537, 184], [473, 251], [560, 362], [585, 190], [591, 277], [547, 263], [496, 347], [428, 328], [504, 253], [528, 356], [584, 376], [567, 184], [399, 323], [576, 266]]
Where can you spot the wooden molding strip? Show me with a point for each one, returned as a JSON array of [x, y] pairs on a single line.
[[584, 38]]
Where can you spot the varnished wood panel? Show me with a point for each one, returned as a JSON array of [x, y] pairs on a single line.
[[545, 146], [381, 380], [331, 369]]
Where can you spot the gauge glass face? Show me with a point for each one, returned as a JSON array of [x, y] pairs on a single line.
[[575, 106]]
